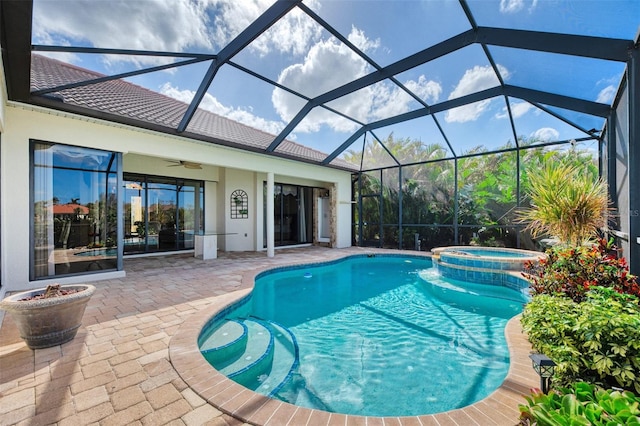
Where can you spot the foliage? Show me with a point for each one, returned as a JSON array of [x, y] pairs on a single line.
[[581, 404], [567, 202], [437, 191], [573, 271], [140, 229], [597, 341]]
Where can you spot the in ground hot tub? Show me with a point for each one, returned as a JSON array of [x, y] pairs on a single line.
[[485, 264], [487, 257]]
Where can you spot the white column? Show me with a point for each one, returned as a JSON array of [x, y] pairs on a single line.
[[269, 213]]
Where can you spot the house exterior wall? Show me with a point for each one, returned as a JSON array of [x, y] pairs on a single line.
[[242, 231], [224, 170]]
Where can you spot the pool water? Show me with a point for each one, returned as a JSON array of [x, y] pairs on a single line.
[[109, 252], [492, 253], [385, 336]]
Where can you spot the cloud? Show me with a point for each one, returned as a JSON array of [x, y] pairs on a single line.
[[330, 64], [292, 34], [211, 104], [203, 26], [359, 40], [607, 94], [515, 6], [518, 109], [546, 134], [475, 79], [179, 25]]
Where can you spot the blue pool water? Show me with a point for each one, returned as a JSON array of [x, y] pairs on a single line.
[[492, 253], [381, 336], [99, 252]]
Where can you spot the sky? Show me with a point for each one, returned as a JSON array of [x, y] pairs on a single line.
[[299, 54]]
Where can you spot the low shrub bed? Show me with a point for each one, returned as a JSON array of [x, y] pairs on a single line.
[[581, 404], [597, 340]]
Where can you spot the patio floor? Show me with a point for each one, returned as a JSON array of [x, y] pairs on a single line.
[[117, 371]]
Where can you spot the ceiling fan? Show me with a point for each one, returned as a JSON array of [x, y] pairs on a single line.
[[185, 164]]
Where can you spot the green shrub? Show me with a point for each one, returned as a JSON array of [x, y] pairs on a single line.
[[573, 271], [581, 404], [597, 341]]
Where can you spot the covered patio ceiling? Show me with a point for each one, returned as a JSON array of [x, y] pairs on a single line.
[[331, 77]]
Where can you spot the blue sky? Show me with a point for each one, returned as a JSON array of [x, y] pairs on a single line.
[[301, 55]]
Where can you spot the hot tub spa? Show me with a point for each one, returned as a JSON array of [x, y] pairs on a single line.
[[484, 264]]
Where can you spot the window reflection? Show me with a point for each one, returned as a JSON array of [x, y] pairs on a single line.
[[161, 213], [74, 210]]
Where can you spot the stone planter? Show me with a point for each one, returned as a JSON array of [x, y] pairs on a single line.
[[48, 322]]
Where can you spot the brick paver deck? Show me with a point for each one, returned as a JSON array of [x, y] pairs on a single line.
[[118, 369]]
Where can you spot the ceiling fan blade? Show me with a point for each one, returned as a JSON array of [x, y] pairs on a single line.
[[185, 164], [191, 165]]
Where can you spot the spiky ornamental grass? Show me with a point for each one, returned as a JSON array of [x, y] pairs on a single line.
[[567, 203]]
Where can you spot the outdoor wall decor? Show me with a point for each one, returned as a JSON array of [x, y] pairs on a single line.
[[239, 204]]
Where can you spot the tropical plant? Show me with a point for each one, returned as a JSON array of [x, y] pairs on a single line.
[[581, 404], [596, 341], [567, 202], [572, 271], [486, 194]]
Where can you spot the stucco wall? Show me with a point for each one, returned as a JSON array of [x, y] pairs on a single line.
[[242, 231], [224, 169]]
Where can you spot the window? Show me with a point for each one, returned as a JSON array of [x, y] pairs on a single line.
[[74, 210]]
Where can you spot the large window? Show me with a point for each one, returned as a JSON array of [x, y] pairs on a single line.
[[161, 213], [74, 210]]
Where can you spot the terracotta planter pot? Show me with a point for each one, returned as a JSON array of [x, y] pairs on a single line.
[[48, 322]]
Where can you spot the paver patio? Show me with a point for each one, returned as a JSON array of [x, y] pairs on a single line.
[[117, 371]]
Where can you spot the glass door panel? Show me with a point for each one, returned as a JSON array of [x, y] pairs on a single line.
[[289, 224], [162, 232], [190, 213], [292, 215], [278, 219], [135, 212]]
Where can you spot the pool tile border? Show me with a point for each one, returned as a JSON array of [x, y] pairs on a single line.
[[499, 408]]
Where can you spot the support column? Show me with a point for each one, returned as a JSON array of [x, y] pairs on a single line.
[[633, 69], [269, 213], [611, 166]]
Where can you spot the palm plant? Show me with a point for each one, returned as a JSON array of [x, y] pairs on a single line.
[[567, 202]]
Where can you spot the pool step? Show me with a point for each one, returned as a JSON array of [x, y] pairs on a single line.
[[285, 360], [256, 358], [261, 357], [227, 341]]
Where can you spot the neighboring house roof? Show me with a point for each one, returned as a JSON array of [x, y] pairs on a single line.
[[70, 208], [133, 102]]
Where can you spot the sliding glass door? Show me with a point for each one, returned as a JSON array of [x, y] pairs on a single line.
[[161, 213], [292, 215]]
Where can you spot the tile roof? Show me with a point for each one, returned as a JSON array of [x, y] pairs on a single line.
[[132, 102], [70, 208]]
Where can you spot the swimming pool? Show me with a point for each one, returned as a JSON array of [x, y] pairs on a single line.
[[108, 252], [360, 342]]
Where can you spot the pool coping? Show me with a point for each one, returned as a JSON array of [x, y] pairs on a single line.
[[499, 408]]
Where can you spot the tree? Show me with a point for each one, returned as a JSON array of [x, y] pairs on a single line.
[[567, 202]]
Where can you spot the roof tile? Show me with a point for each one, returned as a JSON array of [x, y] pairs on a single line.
[[131, 101]]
